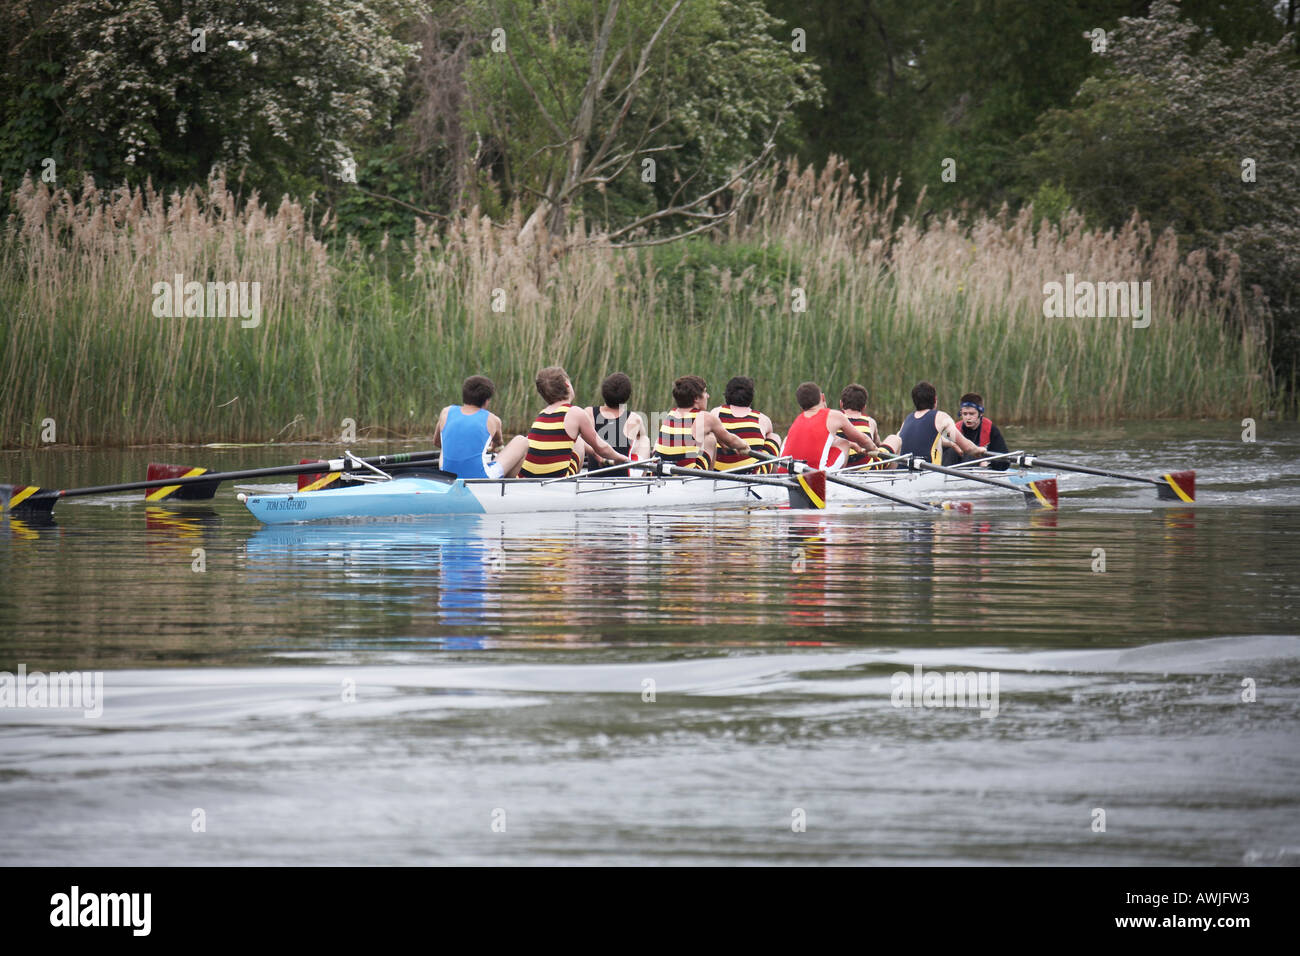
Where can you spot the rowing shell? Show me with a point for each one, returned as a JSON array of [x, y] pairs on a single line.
[[425, 497]]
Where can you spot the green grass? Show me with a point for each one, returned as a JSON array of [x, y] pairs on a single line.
[[385, 339]]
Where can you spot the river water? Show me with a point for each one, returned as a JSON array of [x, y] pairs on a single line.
[[667, 688]]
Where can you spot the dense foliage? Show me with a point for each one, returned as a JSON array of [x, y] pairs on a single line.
[[1109, 107]]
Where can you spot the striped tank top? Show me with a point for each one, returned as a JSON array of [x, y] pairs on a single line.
[[550, 448], [865, 424], [748, 430], [677, 437]]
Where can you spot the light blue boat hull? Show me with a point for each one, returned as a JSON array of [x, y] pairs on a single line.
[[404, 497]]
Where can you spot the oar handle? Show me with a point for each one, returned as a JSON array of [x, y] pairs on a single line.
[[1029, 461], [918, 464]]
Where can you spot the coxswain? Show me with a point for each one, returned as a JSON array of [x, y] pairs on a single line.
[[562, 432], [754, 428], [978, 428], [690, 434]]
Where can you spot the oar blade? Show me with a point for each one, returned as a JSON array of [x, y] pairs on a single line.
[[27, 499], [319, 480], [1042, 494], [1177, 486], [809, 490], [195, 491]]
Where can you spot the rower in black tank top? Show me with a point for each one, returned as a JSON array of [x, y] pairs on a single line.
[[614, 431], [920, 437]]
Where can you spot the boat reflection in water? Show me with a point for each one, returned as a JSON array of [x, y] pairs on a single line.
[[717, 579], [448, 563]]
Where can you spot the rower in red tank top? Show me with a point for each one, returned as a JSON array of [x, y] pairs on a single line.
[[813, 435]]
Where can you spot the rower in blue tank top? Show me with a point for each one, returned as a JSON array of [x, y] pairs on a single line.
[[923, 432], [466, 432]]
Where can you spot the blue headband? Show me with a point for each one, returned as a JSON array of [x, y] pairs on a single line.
[[978, 408]]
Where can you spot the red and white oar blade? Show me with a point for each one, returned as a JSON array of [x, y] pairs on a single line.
[[1042, 494], [1177, 486], [198, 491], [319, 480]]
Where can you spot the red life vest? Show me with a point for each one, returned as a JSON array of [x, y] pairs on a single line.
[[986, 432]]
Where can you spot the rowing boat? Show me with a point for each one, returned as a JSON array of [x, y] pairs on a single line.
[[415, 496]]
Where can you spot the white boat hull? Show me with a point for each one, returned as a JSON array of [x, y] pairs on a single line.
[[425, 497]]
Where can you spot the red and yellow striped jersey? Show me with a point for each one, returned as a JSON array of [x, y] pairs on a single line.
[[550, 447]]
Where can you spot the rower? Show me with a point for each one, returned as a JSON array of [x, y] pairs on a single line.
[[925, 429], [814, 436], [561, 433], [753, 428], [625, 431], [853, 403], [689, 435], [979, 429], [465, 432]]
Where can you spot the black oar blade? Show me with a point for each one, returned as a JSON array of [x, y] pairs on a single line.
[[27, 499], [196, 491], [1177, 486], [1042, 494]]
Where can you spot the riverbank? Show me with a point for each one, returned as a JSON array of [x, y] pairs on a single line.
[[818, 277]]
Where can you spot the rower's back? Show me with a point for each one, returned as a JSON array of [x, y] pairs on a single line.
[[614, 431]]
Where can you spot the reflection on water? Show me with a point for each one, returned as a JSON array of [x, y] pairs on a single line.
[[185, 583], [1122, 627]]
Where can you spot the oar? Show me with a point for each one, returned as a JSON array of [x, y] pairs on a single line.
[[33, 498], [1175, 486], [598, 471], [1041, 493], [814, 485], [312, 480], [963, 506], [802, 495]]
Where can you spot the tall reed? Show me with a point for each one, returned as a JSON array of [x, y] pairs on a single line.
[[385, 338]]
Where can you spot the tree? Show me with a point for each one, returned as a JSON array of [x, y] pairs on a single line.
[[1194, 137], [134, 88], [640, 114]]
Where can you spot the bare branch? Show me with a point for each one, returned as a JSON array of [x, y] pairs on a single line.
[[689, 209]]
